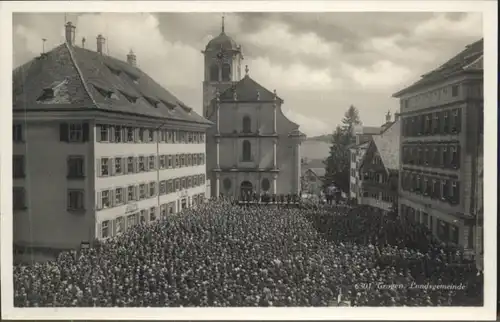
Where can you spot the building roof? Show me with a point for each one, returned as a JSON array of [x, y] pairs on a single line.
[[387, 145], [460, 62], [370, 130], [320, 172], [77, 78], [248, 90]]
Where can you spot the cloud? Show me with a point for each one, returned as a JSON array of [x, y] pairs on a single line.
[[443, 25], [382, 74], [390, 48], [318, 62], [309, 125], [292, 77], [278, 37]]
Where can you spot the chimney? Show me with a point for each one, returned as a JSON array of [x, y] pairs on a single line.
[[70, 33], [396, 117], [100, 43], [83, 42], [131, 58]]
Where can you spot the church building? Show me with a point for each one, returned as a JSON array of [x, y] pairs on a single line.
[[252, 146]]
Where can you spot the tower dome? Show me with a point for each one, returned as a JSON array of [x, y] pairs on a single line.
[[222, 41]]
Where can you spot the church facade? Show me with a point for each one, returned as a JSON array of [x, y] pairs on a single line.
[[252, 147]]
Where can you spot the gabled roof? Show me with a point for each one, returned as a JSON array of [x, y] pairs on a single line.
[[457, 64], [387, 145], [248, 90], [92, 80]]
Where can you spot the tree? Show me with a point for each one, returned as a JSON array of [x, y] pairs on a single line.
[[337, 164]]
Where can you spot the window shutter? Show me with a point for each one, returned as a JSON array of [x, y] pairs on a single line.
[[112, 195], [98, 137], [85, 131], [98, 167], [111, 133], [99, 200], [125, 165], [111, 166], [125, 195], [64, 132], [137, 192], [146, 163]]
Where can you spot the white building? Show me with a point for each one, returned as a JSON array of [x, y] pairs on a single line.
[[253, 146], [357, 153], [98, 147]]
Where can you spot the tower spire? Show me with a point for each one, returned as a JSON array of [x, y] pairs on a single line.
[[222, 26]]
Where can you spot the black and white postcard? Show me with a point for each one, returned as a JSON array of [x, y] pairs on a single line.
[[249, 160]]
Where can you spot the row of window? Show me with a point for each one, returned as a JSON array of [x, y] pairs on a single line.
[[432, 96], [375, 177], [118, 196], [383, 196], [110, 228], [444, 231], [119, 165], [437, 156], [127, 165], [436, 188], [127, 134], [79, 132], [442, 122]]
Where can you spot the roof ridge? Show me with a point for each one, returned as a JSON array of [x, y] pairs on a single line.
[[80, 74]]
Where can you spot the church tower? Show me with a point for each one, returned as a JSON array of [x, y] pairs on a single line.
[[222, 67]]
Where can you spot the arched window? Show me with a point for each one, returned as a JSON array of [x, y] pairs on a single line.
[[247, 151], [226, 72], [227, 184], [214, 73], [247, 124], [265, 184]]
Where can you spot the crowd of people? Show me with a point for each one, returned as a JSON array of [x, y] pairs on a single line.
[[221, 254]]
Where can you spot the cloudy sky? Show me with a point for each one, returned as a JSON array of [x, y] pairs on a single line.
[[318, 63]]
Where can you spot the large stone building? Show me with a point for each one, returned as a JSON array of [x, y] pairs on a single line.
[[441, 148], [98, 147], [379, 169], [252, 146]]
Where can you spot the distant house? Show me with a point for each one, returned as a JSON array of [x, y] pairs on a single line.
[[312, 181], [356, 156], [379, 169], [363, 135]]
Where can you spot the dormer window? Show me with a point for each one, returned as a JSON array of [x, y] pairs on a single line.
[[48, 93], [135, 77], [185, 107], [131, 99], [114, 70], [106, 93], [170, 106], [153, 102]]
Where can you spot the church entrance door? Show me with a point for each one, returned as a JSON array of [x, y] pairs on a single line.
[[246, 190]]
